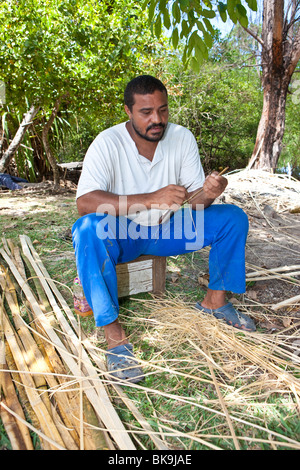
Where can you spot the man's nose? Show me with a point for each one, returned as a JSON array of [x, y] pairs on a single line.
[[156, 118]]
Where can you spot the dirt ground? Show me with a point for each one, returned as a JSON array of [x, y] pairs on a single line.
[[272, 203]]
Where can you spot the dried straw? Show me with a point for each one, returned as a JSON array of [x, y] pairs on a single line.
[[231, 374]]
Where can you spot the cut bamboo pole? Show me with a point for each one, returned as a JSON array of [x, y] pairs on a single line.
[[34, 358], [12, 402], [286, 303], [274, 270], [45, 419], [19, 387], [43, 436], [160, 444], [100, 402], [11, 427], [32, 354], [287, 277]]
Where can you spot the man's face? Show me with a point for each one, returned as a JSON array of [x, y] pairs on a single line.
[[149, 115]]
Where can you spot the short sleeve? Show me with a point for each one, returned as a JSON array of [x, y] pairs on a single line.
[[96, 173], [191, 174]]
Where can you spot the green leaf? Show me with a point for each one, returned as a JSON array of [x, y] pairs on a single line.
[[199, 43], [207, 39], [199, 55], [162, 5], [252, 4], [184, 4], [185, 29], [208, 14], [151, 10], [176, 12], [157, 27], [167, 21], [242, 15], [175, 38], [195, 65], [208, 26], [231, 4], [222, 10]]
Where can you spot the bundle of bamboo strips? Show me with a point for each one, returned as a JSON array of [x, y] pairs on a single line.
[[49, 363]]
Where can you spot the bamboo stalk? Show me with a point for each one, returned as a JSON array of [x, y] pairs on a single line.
[[274, 270], [19, 387], [62, 401], [32, 354], [282, 276], [44, 437], [11, 427], [12, 402], [100, 400], [285, 303], [91, 350], [45, 419]]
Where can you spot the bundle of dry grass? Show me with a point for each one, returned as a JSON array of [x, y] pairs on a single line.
[[238, 371]]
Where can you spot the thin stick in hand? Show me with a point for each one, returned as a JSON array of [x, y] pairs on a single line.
[[161, 220]]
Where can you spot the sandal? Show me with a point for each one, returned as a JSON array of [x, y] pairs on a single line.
[[232, 316], [122, 364]]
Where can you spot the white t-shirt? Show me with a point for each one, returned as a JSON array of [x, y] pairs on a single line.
[[113, 164]]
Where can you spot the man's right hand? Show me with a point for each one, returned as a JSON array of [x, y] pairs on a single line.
[[170, 196]]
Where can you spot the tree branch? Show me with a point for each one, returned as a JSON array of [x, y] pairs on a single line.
[[257, 38], [16, 142]]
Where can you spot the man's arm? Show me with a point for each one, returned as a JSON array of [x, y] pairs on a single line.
[[213, 187], [103, 201]]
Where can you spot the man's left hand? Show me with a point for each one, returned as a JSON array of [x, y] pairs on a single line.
[[214, 185]]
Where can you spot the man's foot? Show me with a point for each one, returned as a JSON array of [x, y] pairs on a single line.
[[122, 364], [232, 316], [115, 335]]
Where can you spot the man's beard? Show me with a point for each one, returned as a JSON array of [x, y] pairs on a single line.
[[145, 136]]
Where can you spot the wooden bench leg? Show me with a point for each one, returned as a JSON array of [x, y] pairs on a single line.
[[159, 274]]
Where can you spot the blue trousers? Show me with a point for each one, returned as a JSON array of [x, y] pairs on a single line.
[[102, 241]]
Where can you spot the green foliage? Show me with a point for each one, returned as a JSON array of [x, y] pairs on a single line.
[[190, 21], [84, 50], [80, 48], [221, 104]]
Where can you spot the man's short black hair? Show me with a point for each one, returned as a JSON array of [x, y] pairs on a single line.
[[142, 85]]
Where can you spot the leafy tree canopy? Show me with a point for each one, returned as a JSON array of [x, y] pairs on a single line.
[[191, 21], [83, 48]]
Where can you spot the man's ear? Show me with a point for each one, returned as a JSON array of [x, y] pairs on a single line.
[[127, 111]]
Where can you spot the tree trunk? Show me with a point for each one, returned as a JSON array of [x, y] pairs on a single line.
[[45, 132], [17, 140], [270, 131], [280, 41]]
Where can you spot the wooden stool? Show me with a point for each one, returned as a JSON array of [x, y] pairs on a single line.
[[144, 274]]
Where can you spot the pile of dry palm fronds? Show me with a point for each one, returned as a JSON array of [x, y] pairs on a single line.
[[53, 381]]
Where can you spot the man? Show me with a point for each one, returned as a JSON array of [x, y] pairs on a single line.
[[135, 178]]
